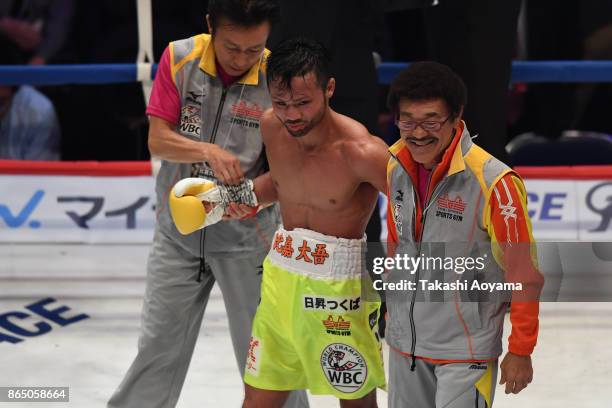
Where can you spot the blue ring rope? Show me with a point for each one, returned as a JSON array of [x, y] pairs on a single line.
[[522, 72]]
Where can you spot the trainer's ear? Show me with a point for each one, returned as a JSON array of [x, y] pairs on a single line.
[[210, 29], [330, 88], [459, 116]]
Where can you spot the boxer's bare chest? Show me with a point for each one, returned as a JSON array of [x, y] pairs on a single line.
[[321, 178]]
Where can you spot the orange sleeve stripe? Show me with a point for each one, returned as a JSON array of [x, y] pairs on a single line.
[[509, 219], [392, 234], [510, 224]]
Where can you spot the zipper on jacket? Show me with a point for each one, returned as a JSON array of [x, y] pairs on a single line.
[[416, 280], [417, 273], [218, 116], [416, 288], [212, 141], [202, 269]]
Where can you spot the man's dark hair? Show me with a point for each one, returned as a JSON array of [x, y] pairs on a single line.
[[428, 80], [11, 54], [297, 57], [245, 13]]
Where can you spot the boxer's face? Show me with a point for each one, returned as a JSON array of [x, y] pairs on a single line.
[[302, 106], [427, 129], [238, 48]]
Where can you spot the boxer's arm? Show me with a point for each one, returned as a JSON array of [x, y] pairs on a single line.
[[265, 190], [369, 160], [266, 194]]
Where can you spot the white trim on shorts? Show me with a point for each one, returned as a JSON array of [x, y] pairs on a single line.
[[345, 257]]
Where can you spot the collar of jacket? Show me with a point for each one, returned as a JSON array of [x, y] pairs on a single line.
[[207, 63], [452, 160]]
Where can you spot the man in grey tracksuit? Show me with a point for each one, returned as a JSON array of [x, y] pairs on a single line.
[[453, 203], [208, 96]]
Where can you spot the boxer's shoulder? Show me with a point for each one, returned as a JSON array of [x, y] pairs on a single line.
[[364, 149], [269, 125], [349, 128], [357, 142]]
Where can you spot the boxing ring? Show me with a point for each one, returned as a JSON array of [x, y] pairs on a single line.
[[74, 240]]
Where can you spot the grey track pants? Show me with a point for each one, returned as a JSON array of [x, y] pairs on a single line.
[[451, 385], [173, 309]]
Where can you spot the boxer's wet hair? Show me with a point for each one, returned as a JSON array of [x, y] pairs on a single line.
[[245, 13], [297, 57], [427, 80]]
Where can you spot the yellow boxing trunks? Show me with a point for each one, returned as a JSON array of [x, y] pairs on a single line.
[[314, 328]]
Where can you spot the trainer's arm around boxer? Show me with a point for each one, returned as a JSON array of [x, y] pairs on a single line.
[[166, 144]]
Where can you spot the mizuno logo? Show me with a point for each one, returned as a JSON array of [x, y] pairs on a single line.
[[477, 367]]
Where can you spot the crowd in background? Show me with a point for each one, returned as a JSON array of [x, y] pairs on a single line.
[[477, 38]]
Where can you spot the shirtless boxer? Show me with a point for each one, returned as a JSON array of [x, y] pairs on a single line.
[[313, 328]]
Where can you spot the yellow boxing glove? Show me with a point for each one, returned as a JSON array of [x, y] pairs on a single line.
[[187, 197], [187, 208]]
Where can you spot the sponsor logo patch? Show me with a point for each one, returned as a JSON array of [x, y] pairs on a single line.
[[338, 327], [247, 115], [397, 211], [190, 120], [344, 367], [450, 209]]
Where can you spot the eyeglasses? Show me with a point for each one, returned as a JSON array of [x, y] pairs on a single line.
[[426, 125]]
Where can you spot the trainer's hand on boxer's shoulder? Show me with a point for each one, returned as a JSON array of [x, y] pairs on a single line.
[[225, 165], [516, 372], [235, 211]]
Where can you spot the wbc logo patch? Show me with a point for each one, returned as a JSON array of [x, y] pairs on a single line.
[[190, 120], [344, 367]]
